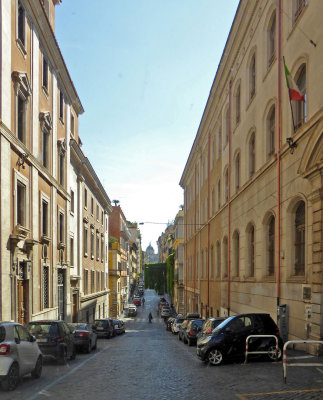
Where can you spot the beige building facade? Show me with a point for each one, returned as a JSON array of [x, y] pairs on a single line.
[[253, 182]]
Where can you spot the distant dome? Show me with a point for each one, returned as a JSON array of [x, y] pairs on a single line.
[[150, 249]]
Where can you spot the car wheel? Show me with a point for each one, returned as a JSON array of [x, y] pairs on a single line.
[[12, 379], [73, 355], [215, 357], [179, 337], [184, 340], [36, 372], [272, 353], [95, 344], [89, 347], [62, 360], [190, 343]]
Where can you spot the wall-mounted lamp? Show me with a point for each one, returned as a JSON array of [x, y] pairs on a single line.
[[291, 144], [21, 160]]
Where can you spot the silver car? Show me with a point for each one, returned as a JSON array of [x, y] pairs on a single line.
[[19, 355]]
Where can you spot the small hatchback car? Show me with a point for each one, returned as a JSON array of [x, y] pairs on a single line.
[[19, 355], [228, 340], [54, 339], [104, 327]]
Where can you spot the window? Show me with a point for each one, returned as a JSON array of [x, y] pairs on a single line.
[[213, 201], [72, 251], [225, 256], [219, 194], [61, 106], [97, 247], [92, 245], [212, 262], [271, 38], [219, 142], [72, 201], [218, 259], [226, 184], [44, 216], [85, 197], [202, 265], [300, 107], [237, 171], [271, 130], [236, 253], [252, 154], [21, 118], [98, 282], [102, 218], [45, 148], [61, 227], [92, 206], [227, 126], [85, 241], [252, 77], [92, 282], [299, 233], [22, 92], [213, 154], [61, 167], [299, 6], [97, 212], [45, 286], [251, 250], [45, 74], [238, 104], [72, 124], [271, 246], [102, 286], [21, 27], [21, 204], [86, 281]]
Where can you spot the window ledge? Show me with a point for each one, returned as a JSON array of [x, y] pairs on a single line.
[[250, 279], [296, 279], [269, 278], [21, 47], [21, 230]]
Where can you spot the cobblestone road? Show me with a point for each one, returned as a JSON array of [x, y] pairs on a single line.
[[150, 363]]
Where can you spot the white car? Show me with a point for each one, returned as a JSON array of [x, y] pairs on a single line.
[[177, 323], [165, 312], [19, 355]]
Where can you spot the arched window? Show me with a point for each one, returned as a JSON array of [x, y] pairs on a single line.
[[225, 256], [252, 76], [227, 126], [300, 106], [237, 171], [251, 250], [238, 104], [226, 184], [219, 194], [271, 131], [218, 259], [272, 39], [212, 262], [236, 253], [271, 246], [299, 234], [252, 154]]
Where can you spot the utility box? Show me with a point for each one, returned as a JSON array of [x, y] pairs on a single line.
[[283, 321]]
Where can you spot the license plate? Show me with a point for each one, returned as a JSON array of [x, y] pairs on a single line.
[[116, 326], [41, 340], [99, 329]]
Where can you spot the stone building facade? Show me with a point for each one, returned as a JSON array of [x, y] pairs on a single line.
[[253, 182]]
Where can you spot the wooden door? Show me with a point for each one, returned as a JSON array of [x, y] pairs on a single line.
[[74, 310]]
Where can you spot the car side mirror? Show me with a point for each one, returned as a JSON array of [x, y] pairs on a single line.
[[17, 340], [32, 338]]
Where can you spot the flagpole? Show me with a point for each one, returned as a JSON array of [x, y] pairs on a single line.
[[290, 102]]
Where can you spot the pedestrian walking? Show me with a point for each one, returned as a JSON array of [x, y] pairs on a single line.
[[143, 302]]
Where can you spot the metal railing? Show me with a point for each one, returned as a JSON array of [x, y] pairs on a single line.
[[259, 352], [298, 357]]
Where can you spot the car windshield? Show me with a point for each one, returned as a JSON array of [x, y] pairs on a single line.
[[2, 334], [179, 320], [81, 326], [223, 324], [198, 322], [99, 324], [43, 329]]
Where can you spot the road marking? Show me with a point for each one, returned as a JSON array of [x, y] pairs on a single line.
[[72, 371], [245, 396]]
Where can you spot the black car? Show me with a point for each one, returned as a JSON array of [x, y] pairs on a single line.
[[210, 324], [119, 326], [228, 339], [54, 339], [84, 336], [193, 328], [104, 327]]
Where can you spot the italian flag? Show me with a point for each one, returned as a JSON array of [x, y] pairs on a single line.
[[294, 92]]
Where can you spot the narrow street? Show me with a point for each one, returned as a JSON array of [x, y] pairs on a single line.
[[150, 363]]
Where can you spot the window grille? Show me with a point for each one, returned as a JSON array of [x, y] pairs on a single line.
[[45, 287]]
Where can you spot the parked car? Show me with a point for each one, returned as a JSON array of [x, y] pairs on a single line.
[[132, 311], [119, 326], [169, 323], [104, 327], [137, 301], [165, 312], [228, 339], [85, 337], [210, 324], [193, 328], [19, 355], [177, 323], [54, 339], [182, 327]]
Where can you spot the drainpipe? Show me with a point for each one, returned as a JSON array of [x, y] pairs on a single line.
[[229, 201], [278, 154], [208, 227]]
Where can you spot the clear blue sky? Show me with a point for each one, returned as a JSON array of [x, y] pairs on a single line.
[[143, 70]]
